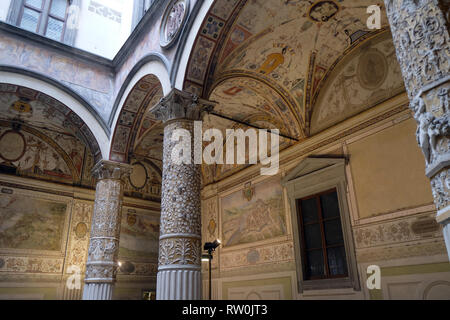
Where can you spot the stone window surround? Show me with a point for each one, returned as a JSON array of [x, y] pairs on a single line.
[[312, 176], [14, 13]]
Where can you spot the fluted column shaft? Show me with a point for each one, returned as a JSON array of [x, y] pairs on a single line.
[[420, 29], [179, 271], [102, 263]]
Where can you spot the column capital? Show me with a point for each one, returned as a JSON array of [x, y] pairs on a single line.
[[179, 105], [105, 169]]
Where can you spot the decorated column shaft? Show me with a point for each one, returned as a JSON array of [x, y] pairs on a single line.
[[179, 271], [102, 263], [420, 29]]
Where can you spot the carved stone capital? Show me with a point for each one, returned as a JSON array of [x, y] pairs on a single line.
[[105, 169], [180, 105]]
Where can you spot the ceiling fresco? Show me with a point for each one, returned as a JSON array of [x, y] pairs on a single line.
[[363, 79], [135, 122], [291, 64], [138, 140], [42, 138], [36, 109]]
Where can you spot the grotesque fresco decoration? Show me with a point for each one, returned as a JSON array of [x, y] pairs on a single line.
[[265, 63], [30, 223], [144, 181], [139, 234], [258, 217], [360, 81]]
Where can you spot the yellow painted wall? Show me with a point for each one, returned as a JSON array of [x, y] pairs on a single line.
[[388, 170]]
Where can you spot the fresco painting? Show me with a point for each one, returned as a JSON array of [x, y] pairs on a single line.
[[31, 224], [260, 218], [139, 235]]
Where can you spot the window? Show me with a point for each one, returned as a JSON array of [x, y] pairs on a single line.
[[46, 17], [323, 241], [140, 8], [323, 246]]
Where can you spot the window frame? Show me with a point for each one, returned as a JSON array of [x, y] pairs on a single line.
[[16, 11], [321, 222], [312, 176]]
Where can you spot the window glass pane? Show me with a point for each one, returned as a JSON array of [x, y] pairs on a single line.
[[309, 210], [313, 237], [315, 264], [337, 263], [333, 232], [30, 20], [35, 3], [54, 29], [58, 8], [330, 205]]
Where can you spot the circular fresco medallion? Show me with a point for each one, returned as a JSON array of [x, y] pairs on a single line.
[[139, 176], [12, 146], [172, 22], [372, 69], [81, 230]]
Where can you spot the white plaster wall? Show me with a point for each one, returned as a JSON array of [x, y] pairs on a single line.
[[4, 7], [101, 35]]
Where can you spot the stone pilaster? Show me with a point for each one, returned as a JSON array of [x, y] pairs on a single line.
[[179, 271], [102, 263], [420, 30]]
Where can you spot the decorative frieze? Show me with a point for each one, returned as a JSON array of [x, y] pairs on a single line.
[[406, 229], [271, 254]]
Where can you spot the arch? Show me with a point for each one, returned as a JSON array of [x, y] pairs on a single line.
[[82, 114], [154, 63], [187, 41], [133, 122]]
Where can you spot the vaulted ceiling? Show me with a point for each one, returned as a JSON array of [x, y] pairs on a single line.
[[297, 65]]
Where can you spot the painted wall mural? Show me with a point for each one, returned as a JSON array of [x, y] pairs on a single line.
[[30, 223], [253, 215], [139, 235]]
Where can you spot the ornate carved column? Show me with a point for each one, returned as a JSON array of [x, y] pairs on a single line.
[[420, 30], [102, 263], [179, 272]]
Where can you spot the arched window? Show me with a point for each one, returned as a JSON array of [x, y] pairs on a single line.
[[44, 17]]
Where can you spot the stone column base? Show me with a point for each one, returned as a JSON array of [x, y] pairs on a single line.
[[179, 284], [98, 291]]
